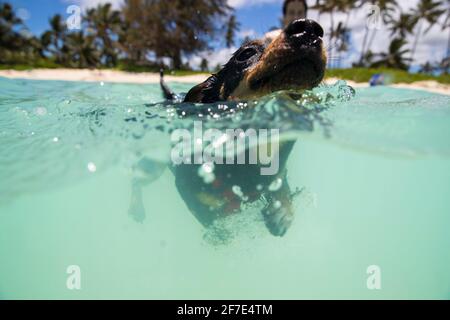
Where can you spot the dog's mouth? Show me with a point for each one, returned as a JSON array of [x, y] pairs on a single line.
[[303, 72]]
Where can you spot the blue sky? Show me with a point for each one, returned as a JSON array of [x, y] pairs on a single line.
[[257, 17]]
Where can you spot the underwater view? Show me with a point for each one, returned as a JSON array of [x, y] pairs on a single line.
[[85, 185]]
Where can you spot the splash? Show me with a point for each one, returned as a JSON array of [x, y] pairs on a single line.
[[54, 133]]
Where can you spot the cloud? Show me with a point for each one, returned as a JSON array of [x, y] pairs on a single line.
[[117, 3], [249, 3], [219, 57], [86, 4], [431, 47], [250, 33]]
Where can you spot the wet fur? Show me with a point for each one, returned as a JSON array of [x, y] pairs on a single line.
[[284, 63]]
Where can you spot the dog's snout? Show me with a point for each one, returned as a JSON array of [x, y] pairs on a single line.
[[304, 27]]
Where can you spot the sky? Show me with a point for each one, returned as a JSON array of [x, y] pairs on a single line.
[[256, 17]]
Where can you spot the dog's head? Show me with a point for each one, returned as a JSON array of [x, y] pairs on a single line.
[[296, 59]]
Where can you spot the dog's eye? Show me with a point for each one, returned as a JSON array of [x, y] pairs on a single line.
[[246, 54]]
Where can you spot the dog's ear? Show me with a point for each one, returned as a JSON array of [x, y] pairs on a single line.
[[206, 92]]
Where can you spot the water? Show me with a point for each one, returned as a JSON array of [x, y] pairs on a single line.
[[373, 170]]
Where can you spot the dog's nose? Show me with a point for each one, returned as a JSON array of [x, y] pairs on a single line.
[[304, 27]]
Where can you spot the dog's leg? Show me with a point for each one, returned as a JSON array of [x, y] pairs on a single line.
[[279, 212], [137, 209], [146, 172]]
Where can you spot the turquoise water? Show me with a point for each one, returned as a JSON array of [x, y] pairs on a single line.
[[374, 173]]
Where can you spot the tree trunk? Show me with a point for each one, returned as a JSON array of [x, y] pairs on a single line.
[[176, 60], [331, 39], [448, 44], [363, 49], [416, 42], [347, 19], [372, 38]]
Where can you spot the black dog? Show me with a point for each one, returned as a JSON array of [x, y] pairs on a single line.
[[294, 60]]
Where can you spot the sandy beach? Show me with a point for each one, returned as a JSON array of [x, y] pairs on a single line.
[[148, 78]]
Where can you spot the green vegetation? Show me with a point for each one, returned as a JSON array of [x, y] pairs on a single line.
[[401, 24], [145, 36], [393, 75]]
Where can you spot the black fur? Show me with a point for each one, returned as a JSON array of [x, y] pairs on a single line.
[[211, 201], [219, 86]]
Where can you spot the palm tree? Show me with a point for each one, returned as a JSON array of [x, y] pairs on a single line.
[[387, 7], [173, 29], [395, 57], [444, 66], [342, 36], [427, 68], [403, 26], [106, 24], [82, 50], [9, 22], [368, 58], [427, 11], [17, 45], [446, 25], [54, 39], [232, 27], [204, 66], [332, 7]]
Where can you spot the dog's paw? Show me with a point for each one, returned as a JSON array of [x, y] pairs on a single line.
[[278, 220], [137, 209]]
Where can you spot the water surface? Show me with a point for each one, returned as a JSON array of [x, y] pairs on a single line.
[[374, 171]]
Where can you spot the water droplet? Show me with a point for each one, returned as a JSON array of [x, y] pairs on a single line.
[[277, 205], [92, 167], [55, 139], [102, 83]]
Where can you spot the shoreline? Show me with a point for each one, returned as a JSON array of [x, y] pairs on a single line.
[[113, 76]]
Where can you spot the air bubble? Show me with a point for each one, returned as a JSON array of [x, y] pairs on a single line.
[[206, 172], [238, 191], [92, 167], [41, 111], [346, 93], [276, 185], [277, 205]]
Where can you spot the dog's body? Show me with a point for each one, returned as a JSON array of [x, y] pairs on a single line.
[[294, 60]]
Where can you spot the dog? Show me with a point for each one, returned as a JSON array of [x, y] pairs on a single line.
[[295, 60]]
